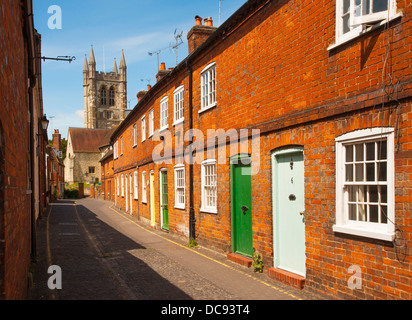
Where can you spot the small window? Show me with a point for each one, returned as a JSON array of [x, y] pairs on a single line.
[[118, 186], [111, 97], [136, 185], [179, 108], [208, 87], [143, 125], [151, 122], [122, 179], [365, 183], [209, 186], [135, 134], [107, 114], [92, 169], [354, 17], [180, 186], [121, 146], [144, 195], [103, 96], [164, 113]]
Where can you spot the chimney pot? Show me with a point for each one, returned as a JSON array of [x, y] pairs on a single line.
[[198, 20], [162, 66], [209, 22], [149, 87]]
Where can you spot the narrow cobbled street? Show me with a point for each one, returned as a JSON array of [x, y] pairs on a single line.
[[104, 254]]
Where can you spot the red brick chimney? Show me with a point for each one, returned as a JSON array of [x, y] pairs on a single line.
[[199, 33], [57, 139]]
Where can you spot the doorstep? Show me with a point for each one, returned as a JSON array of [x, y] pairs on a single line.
[[243, 260], [287, 277]]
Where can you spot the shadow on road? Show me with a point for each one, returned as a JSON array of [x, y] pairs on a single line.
[[97, 261]]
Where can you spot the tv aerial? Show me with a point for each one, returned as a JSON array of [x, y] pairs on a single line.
[[173, 46]]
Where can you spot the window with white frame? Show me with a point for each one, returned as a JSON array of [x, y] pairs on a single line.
[[136, 185], [357, 16], [122, 179], [115, 150], [144, 195], [151, 122], [179, 108], [208, 87], [143, 124], [121, 146], [135, 134], [209, 186], [365, 183], [164, 113], [118, 186], [180, 186]]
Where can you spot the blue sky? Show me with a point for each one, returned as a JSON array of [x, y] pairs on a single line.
[[138, 27]]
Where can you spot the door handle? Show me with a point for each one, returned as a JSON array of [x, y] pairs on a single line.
[[244, 209]]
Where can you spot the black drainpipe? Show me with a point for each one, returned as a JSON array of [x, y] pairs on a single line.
[[192, 219], [31, 61]]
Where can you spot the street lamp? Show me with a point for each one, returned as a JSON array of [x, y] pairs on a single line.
[[44, 122]]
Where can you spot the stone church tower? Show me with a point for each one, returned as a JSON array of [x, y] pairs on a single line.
[[105, 94]]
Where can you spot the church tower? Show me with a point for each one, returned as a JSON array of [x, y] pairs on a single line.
[[105, 94]]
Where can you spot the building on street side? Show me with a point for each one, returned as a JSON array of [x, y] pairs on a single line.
[[308, 109], [23, 139]]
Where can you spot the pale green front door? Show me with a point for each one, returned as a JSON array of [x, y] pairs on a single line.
[[288, 210]]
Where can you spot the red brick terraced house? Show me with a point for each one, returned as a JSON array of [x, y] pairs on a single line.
[[308, 106], [23, 142]]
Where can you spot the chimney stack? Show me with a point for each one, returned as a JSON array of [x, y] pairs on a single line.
[[199, 33], [57, 140], [162, 72]]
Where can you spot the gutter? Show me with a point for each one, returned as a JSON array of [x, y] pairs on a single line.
[[192, 218]]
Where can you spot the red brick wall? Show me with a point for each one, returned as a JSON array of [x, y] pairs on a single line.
[[275, 73], [15, 207]]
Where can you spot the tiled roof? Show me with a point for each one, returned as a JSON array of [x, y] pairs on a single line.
[[87, 140]]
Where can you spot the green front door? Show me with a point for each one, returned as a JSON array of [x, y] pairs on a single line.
[[164, 200], [241, 193]]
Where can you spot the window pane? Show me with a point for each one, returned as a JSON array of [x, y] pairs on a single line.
[[373, 214], [352, 193], [362, 212], [346, 4], [366, 7], [370, 151], [382, 171], [380, 5], [373, 194], [349, 153], [352, 212], [359, 172], [358, 8], [346, 27], [359, 152], [349, 172], [382, 150], [384, 197], [384, 214], [370, 172]]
